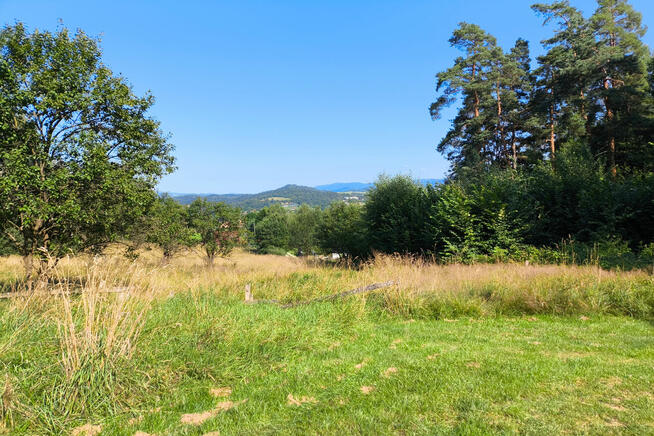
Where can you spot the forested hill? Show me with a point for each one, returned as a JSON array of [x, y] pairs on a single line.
[[289, 195]]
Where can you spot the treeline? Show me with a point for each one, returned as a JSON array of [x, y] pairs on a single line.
[[572, 214]]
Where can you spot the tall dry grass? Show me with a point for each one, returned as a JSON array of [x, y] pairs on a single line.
[[422, 289]]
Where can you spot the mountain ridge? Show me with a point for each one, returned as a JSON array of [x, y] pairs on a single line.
[[290, 195]]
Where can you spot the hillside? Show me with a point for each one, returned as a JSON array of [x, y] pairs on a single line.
[[288, 196]]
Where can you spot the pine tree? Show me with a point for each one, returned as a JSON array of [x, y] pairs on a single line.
[[466, 143], [516, 73], [619, 80], [561, 89]]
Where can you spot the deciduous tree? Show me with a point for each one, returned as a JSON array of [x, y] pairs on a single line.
[[79, 154]]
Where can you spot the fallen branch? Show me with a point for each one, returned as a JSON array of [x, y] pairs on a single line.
[[250, 300]]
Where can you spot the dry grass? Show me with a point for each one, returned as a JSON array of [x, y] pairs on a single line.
[[422, 287]]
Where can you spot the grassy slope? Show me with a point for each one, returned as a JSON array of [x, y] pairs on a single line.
[[533, 373]]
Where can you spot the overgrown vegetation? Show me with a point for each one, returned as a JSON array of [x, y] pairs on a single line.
[[144, 346]]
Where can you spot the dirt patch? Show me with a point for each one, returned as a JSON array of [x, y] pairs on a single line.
[[367, 389], [390, 371], [292, 401], [473, 365], [86, 430], [612, 382], [571, 355], [614, 423], [199, 418]]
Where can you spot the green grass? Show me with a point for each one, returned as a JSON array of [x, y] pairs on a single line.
[[498, 374]]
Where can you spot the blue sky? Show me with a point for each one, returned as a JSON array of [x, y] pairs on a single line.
[[258, 94]]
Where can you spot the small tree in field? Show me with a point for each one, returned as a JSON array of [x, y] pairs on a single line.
[[218, 227], [79, 156], [167, 227]]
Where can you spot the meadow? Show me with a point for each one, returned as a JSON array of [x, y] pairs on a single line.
[[134, 347]]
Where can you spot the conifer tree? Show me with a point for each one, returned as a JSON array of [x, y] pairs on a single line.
[[466, 143]]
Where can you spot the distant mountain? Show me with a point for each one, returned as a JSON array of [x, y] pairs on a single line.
[[288, 196], [291, 196], [362, 187], [345, 187]]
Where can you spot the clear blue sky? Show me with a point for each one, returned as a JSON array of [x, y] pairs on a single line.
[[258, 94]]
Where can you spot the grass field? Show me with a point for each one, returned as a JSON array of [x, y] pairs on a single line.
[[449, 350]]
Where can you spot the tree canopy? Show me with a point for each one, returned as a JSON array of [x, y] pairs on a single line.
[[79, 154]]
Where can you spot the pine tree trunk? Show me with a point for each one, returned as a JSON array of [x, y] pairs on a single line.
[[514, 150], [609, 119], [500, 129], [552, 139], [474, 74]]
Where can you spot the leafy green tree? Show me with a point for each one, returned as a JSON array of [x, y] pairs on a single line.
[[343, 230], [218, 227], [303, 229], [272, 229], [167, 227], [394, 214], [451, 225], [79, 156]]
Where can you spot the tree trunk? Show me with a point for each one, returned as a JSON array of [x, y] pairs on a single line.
[[476, 105], [514, 150], [28, 264], [210, 258], [609, 121], [552, 139], [500, 127]]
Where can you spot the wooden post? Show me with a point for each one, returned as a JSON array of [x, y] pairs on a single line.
[[248, 293]]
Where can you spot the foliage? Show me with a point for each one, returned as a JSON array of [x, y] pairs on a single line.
[[217, 226], [167, 226], [79, 156], [537, 215], [592, 86], [303, 227], [393, 214], [271, 228], [343, 230]]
